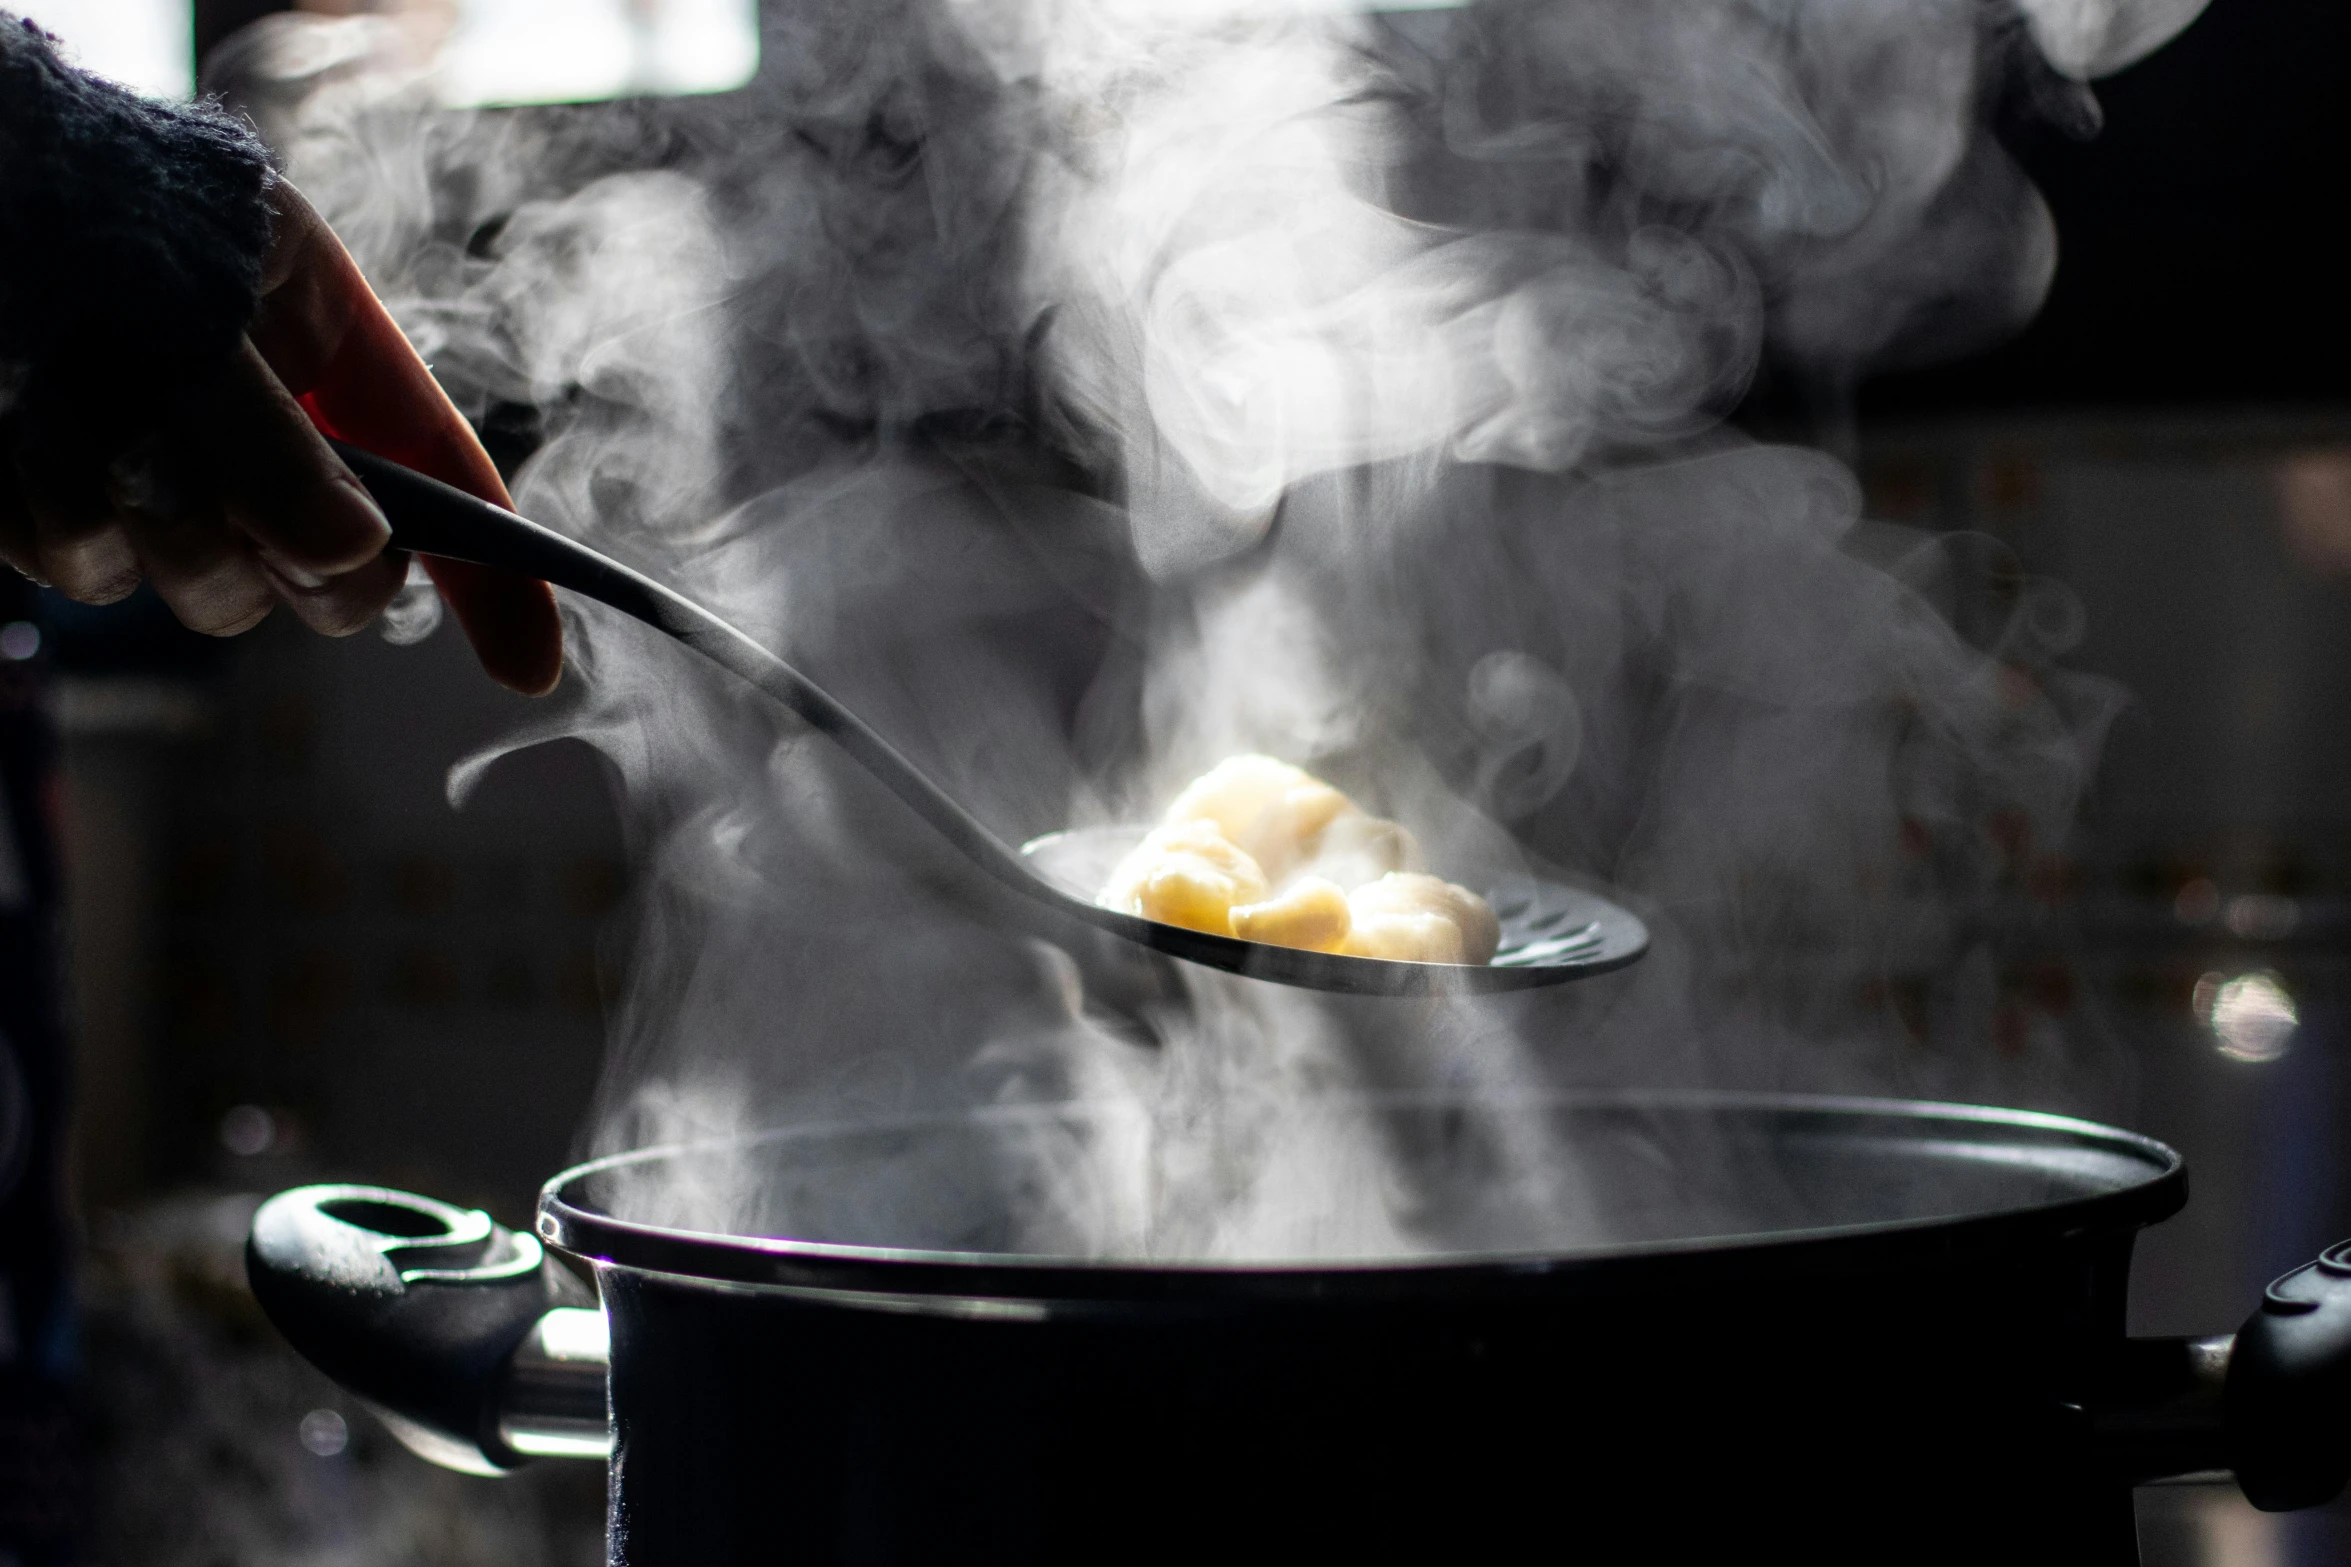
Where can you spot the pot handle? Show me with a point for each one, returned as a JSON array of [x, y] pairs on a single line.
[[435, 1315], [2287, 1401]]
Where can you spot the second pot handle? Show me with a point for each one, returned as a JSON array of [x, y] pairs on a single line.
[[419, 1308], [2288, 1395]]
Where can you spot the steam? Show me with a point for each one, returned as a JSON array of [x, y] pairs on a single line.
[[1242, 296], [1088, 389], [2091, 38]]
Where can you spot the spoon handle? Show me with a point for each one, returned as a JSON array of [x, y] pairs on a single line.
[[432, 518]]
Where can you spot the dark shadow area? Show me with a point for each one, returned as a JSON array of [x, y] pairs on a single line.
[[2200, 259]]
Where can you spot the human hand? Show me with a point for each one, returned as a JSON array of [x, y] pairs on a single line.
[[237, 503]]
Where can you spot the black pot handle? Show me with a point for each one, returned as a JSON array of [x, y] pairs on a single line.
[[416, 1306], [2288, 1396]]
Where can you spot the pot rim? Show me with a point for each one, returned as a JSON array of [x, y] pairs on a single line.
[[997, 1283]]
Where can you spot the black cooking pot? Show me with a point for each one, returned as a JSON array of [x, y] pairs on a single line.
[[1852, 1330]]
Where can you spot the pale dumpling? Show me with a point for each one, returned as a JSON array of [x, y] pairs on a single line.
[[1356, 848], [1274, 812], [1259, 849], [1189, 874], [1420, 919], [1311, 912]]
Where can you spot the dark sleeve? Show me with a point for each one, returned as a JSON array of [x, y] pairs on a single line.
[[131, 241]]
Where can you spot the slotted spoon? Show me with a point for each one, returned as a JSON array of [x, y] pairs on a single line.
[[1551, 932]]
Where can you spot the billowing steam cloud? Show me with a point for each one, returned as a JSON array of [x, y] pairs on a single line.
[[1086, 389]]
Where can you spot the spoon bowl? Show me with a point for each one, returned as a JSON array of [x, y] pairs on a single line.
[[1550, 931]]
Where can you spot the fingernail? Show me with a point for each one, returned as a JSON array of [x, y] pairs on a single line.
[[367, 504], [113, 590]]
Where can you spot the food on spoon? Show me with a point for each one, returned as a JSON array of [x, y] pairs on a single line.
[[1355, 849], [1186, 873], [1259, 849], [1420, 919], [1270, 809], [1311, 912]]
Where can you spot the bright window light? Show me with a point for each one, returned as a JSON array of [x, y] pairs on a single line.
[[148, 46], [574, 51]]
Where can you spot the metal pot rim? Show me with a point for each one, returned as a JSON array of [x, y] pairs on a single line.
[[967, 1283]]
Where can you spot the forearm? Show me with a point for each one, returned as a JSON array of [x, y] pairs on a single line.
[[132, 238], [175, 325]]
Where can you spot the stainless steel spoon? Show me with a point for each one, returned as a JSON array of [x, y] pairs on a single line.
[[1550, 931]]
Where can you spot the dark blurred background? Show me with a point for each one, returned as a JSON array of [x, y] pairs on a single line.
[[2200, 265], [290, 958], [2165, 439]]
